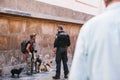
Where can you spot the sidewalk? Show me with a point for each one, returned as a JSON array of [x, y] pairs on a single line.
[[37, 76]]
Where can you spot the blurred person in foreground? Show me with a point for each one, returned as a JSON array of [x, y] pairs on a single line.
[[97, 52]]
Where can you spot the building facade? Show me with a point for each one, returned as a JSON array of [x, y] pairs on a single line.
[[20, 18]]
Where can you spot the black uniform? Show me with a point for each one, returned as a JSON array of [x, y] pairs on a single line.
[[62, 41]]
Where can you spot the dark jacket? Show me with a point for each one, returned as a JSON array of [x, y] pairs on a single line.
[[62, 40]]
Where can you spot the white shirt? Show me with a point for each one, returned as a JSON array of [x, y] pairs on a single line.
[[97, 52]]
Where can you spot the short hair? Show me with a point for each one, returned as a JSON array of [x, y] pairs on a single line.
[[33, 35], [107, 0], [60, 27]]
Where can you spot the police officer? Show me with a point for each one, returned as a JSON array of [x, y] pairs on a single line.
[[61, 44]]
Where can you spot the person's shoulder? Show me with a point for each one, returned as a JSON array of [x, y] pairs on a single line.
[[29, 42], [98, 19], [91, 24], [65, 34], [62, 33], [95, 19]]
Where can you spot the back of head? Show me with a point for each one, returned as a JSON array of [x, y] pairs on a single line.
[[32, 35], [108, 2], [60, 28]]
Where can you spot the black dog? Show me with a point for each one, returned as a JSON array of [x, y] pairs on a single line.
[[16, 71]]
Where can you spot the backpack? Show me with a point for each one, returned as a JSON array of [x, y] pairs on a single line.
[[23, 46]]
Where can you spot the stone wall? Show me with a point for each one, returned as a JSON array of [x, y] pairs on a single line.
[[14, 29]]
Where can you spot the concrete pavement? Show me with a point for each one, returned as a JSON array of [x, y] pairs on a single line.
[[37, 76]]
